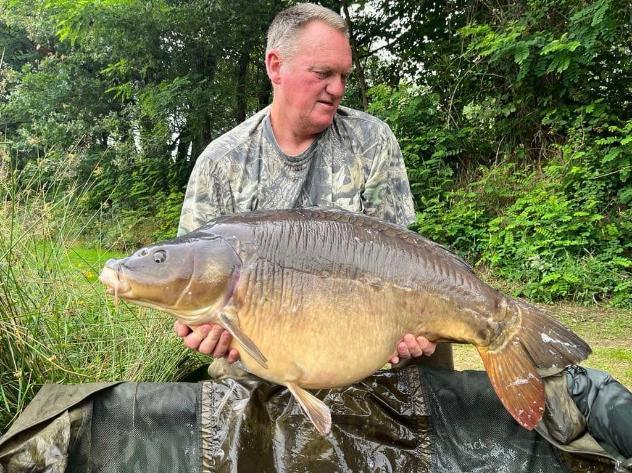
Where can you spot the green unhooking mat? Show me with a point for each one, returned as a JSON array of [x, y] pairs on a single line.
[[412, 420]]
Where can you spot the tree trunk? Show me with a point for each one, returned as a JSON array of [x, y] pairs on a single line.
[[242, 76], [264, 88], [201, 132], [359, 71]]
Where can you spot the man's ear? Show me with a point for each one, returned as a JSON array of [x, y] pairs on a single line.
[[273, 66]]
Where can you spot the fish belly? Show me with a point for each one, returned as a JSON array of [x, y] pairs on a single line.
[[333, 334]]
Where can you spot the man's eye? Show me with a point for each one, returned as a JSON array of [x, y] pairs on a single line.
[[321, 74]]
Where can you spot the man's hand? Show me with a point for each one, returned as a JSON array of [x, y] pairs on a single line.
[[411, 347], [210, 339]]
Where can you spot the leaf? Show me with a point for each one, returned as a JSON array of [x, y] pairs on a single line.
[[571, 278], [560, 45], [607, 141], [612, 154], [625, 195], [521, 53], [564, 65], [623, 262], [600, 13], [551, 277]]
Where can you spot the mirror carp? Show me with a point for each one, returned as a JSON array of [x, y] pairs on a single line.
[[319, 298]]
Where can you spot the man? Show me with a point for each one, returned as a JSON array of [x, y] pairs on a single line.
[[303, 150]]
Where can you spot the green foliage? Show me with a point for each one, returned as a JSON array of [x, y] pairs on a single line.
[[563, 232], [535, 127], [558, 243], [131, 92], [412, 114], [548, 57]]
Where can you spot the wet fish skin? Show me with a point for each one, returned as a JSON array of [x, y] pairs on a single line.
[[319, 298]]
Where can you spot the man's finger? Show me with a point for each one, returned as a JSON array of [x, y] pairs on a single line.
[[181, 330], [222, 345], [413, 345], [210, 341], [233, 355], [197, 335], [426, 345], [192, 341], [402, 350]]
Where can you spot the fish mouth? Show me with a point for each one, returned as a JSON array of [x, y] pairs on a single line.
[[110, 276]]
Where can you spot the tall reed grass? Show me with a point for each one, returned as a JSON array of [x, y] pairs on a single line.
[[56, 323]]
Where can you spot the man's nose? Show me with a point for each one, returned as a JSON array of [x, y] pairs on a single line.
[[336, 87]]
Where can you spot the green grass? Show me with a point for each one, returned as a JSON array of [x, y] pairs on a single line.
[[57, 325], [616, 361], [79, 259]]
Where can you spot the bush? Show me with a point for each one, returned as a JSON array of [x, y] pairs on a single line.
[[569, 234], [555, 228]]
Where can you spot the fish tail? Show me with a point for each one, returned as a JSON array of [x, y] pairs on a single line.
[[512, 361]]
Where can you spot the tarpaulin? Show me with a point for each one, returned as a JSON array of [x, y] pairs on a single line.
[[416, 419]]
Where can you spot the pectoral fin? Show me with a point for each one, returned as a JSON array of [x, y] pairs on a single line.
[[315, 409], [243, 339], [222, 369]]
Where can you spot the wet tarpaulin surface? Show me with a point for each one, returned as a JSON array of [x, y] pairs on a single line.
[[417, 419]]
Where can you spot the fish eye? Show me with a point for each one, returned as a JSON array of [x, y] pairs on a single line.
[[160, 256]]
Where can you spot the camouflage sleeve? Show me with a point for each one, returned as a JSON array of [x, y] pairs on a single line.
[[208, 195], [387, 190]]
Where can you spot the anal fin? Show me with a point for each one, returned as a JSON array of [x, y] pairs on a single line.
[[316, 410], [243, 339]]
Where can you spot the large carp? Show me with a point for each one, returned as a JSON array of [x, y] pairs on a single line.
[[319, 298]]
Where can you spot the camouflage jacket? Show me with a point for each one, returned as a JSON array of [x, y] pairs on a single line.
[[355, 164]]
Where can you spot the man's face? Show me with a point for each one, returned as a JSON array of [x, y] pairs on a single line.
[[311, 82]]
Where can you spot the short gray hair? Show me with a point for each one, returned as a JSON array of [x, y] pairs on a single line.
[[287, 25]]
